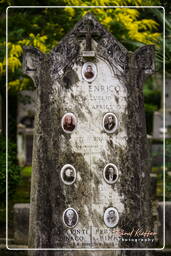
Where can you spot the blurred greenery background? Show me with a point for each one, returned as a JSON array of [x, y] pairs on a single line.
[[43, 28]]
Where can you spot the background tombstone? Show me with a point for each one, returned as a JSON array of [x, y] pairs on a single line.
[[114, 85], [21, 223]]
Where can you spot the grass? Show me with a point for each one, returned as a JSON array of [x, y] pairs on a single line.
[[26, 171], [22, 194], [160, 188]]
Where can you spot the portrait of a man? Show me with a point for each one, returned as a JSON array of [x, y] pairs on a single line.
[[70, 217], [110, 122], [110, 173], [111, 217], [68, 122], [89, 71], [68, 174]]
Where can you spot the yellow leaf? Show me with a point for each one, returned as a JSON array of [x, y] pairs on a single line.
[[1, 68], [14, 84], [13, 63]]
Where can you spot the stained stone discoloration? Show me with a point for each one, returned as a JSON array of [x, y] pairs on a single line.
[[62, 89], [70, 78], [31, 63], [135, 159]]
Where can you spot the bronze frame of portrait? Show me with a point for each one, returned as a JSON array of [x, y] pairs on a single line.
[[73, 117], [94, 68], [106, 214], [63, 217], [68, 166], [104, 173], [116, 122]]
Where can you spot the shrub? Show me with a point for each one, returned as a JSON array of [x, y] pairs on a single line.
[[13, 169]]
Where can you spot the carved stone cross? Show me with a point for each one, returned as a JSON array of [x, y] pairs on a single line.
[[88, 32]]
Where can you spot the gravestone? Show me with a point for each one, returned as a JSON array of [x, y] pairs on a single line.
[[90, 180], [25, 125], [21, 223]]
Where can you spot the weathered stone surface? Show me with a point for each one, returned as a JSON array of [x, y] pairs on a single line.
[[116, 88], [21, 223]]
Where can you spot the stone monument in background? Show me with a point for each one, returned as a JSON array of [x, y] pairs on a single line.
[[90, 180]]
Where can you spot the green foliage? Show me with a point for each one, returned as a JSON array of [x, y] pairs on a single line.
[[124, 23], [152, 99], [158, 169], [26, 171], [149, 111], [13, 170], [22, 193], [158, 15], [44, 27]]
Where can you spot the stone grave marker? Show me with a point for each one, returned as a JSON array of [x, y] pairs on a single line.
[[21, 223], [90, 180]]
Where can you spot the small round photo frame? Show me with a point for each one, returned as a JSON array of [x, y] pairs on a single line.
[[68, 174], [69, 122], [108, 176], [70, 217], [111, 217], [110, 122], [89, 71]]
